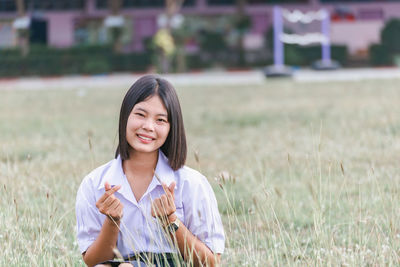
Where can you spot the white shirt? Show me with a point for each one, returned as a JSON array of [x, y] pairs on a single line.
[[195, 203]]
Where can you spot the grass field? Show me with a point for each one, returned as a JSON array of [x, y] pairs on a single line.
[[310, 171]]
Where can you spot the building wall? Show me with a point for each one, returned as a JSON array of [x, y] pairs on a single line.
[[357, 35], [369, 18], [60, 29], [7, 34], [144, 27]]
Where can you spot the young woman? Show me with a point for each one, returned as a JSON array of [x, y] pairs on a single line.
[[145, 204]]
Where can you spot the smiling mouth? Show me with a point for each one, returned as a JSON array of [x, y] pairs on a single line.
[[145, 138]]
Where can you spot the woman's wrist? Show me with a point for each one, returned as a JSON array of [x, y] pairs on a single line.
[[172, 217], [113, 221], [168, 219]]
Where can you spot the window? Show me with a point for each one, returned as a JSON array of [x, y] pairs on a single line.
[[54, 4], [90, 31], [7, 6], [7, 33], [233, 2], [32, 5], [278, 1], [102, 4], [357, 1]]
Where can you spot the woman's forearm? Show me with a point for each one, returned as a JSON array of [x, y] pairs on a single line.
[[102, 248], [191, 247]]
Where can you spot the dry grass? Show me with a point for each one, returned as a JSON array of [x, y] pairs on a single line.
[[311, 171]]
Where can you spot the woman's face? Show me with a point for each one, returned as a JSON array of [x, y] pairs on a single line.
[[148, 126]]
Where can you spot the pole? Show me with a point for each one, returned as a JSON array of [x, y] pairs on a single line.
[[325, 29], [278, 29]]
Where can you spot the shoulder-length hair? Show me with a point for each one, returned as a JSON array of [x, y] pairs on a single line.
[[147, 86]]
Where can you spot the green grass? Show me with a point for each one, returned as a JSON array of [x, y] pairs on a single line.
[[314, 169]]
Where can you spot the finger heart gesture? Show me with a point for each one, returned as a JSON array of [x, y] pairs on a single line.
[[164, 206], [109, 205]]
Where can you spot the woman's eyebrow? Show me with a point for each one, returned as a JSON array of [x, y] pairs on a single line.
[[141, 109], [160, 114]]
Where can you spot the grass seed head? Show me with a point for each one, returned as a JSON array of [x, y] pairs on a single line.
[[196, 156], [341, 167], [226, 177], [278, 192]]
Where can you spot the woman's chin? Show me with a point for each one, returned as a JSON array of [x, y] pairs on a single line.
[[145, 148]]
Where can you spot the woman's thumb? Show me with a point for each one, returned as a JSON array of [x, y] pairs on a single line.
[[107, 186], [171, 187]]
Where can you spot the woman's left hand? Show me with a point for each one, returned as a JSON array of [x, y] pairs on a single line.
[[164, 206]]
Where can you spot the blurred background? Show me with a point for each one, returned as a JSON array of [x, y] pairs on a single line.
[[306, 170], [63, 37]]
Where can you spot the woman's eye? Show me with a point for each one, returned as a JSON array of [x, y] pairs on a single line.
[[139, 114], [161, 120]]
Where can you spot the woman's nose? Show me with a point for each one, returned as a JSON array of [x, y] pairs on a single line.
[[148, 125]]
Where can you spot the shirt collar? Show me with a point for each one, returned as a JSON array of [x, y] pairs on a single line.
[[163, 170], [116, 176], [164, 173]]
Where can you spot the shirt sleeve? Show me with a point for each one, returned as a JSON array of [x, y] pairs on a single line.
[[88, 218], [202, 217]]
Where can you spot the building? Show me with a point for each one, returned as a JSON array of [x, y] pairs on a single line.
[[64, 23]]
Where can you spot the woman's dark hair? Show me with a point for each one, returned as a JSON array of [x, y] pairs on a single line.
[[147, 86]]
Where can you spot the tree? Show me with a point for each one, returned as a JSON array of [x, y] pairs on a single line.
[[242, 25], [115, 24], [22, 26], [172, 8], [390, 36]]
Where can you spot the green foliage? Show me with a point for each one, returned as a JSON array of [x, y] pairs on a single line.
[[390, 35], [242, 23], [212, 41], [313, 53], [195, 62], [306, 55], [292, 55], [96, 66], [384, 53], [217, 38], [379, 55], [47, 61], [130, 62]]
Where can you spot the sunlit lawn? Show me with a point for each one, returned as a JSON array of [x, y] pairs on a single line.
[[311, 170]]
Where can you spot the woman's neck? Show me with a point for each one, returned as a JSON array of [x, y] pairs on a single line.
[[139, 171], [140, 163]]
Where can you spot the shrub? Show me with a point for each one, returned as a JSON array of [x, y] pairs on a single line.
[[47, 61], [390, 35], [379, 55], [385, 52], [96, 66]]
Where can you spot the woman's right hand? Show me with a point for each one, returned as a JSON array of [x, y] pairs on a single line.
[[110, 205]]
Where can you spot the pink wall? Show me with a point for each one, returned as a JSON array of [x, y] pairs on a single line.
[[143, 27], [61, 24], [357, 35], [261, 22], [60, 29]]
